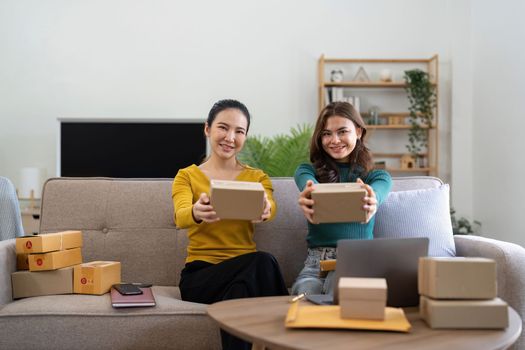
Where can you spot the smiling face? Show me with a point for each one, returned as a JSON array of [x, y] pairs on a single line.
[[339, 137], [227, 133]]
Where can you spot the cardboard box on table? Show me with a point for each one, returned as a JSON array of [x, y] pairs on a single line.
[[464, 314], [362, 298], [55, 260], [238, 200], [457, 278], [338, 202], [32, 284], [49, 242], [96, 277]]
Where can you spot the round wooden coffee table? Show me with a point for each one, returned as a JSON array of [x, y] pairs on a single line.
[[261, 322]]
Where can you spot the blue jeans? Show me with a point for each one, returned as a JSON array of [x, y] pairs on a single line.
[[309, 280]]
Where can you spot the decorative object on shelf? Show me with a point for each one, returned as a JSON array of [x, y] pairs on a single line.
[[396, 120], [408, 161], [281, 154], [385, 75], [336, 75], [462, 226], [422, 98], [361, 75], [380, 165], [373, 115]]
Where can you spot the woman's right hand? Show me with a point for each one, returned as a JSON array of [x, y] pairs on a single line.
[[203, 211], [306, 202]]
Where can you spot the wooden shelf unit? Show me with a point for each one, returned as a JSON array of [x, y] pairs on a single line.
[[388, 89]]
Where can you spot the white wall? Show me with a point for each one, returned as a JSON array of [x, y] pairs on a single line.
[[498, 117], [173, 59]]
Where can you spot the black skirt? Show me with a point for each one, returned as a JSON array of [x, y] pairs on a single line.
[[245, 276]]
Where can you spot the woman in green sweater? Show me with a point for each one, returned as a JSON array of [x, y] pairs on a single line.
[[338, 154], [222, 262]]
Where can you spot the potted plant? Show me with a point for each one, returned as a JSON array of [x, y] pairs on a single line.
[[422, 98], [281, 154]]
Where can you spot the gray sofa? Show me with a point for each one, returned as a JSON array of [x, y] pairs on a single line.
[[131, 221]]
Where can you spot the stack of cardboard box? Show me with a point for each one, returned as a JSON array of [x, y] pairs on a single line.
[[52, 263], [362, 298], [460, 293]]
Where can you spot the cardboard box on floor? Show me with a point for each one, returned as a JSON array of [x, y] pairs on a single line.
[[55, 260], [238, 200], [32, 284], [338, 202], [464, 314], [49, 242], [362, 298], [96, 277], [457, 278]]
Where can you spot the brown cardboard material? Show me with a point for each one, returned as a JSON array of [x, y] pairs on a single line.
[[338, 202], [361, 309], [55, 260], [363, 298], [464, 314], [49, 242], [32, 284], [457, 278], [96, 277], [22, 262], [238, 200]]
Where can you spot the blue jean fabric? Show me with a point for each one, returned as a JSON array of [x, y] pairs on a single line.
[[309, 280], [10, 219]]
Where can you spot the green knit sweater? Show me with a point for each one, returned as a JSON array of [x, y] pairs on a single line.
[[327, 235]]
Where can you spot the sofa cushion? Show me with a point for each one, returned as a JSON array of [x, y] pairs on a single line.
[[418, 213], [89, 322]]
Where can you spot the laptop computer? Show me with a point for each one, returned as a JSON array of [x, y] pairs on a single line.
[[395, 259]]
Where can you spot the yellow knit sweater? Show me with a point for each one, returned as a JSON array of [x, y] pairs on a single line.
[[218, 241]]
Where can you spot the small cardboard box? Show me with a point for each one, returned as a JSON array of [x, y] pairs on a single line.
[[22, 261], [362, 298], [338, 202], [49, 242], [32, 284], [464, 314], [457, 278], [96, 277], [238, 200], [55, 260]]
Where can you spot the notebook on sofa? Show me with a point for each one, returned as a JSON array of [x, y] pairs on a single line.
[[139, 300]]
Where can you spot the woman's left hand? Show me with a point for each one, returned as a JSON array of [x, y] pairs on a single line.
[[267, 210], [370, 201]]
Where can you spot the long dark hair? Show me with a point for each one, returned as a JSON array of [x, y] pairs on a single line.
[[221, 105], [360, 160]]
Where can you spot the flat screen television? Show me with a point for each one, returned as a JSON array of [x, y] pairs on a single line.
[[128, 148]]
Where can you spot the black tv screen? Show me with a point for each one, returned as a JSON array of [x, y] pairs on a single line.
[[129, 149]]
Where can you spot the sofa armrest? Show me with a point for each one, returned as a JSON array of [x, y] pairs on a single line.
[[7, 266], [510, 262]]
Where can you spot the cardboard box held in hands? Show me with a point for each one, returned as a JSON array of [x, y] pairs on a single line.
[[338, 202], [238, 200]]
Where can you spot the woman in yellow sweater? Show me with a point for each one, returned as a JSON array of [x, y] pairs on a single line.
[[222, 261]]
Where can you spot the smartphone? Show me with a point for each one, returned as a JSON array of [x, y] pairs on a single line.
[[127, 289]]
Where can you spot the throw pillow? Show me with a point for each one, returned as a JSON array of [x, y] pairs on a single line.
[[418, 213]]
